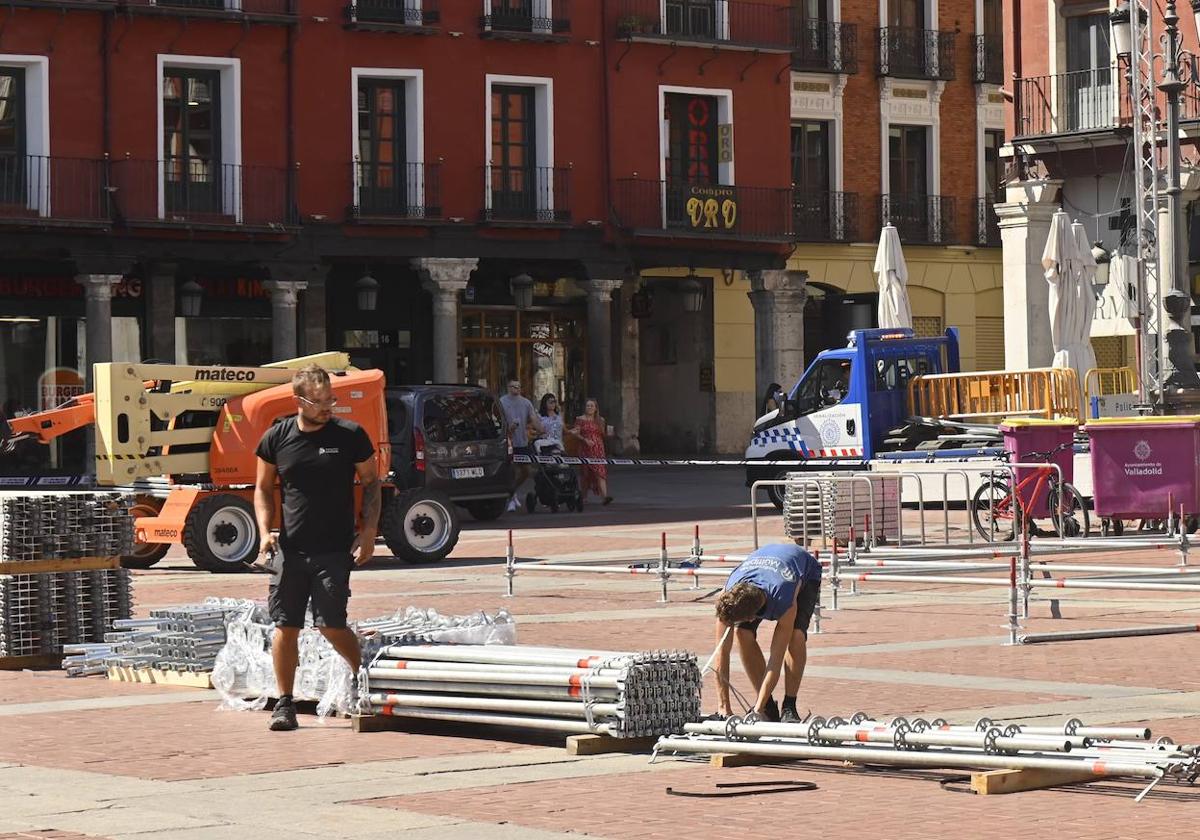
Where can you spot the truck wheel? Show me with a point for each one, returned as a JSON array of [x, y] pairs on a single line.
[[485, 510], [420, 526], [144, 555], [220, 533], [778, 494]]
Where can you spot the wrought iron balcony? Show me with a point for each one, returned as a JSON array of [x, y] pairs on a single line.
[[35, 189], [987, 224], [705, 211], [202, 194], [537, 194], [1067, 103], [411, 191], [919, 219], [989, 59], [723, 23], [412, 17], [253, 9], [825, 217], [916, 53], [825, 46], [527, 20]]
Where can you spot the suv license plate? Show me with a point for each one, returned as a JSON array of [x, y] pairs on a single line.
[[467, 472]]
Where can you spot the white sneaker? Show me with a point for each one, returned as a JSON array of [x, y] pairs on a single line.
[[513, 504]]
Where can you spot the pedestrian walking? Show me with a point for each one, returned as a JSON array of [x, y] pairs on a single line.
[[590, 427], [780, 583], [519, 415], [315, 457]]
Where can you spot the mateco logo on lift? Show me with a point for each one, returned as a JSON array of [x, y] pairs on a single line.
[[224, 375]]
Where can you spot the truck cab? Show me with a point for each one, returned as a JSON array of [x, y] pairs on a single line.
[[840, 411]]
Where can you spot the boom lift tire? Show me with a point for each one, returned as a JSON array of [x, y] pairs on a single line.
[[420, 526], [221, 533], [144, 555]]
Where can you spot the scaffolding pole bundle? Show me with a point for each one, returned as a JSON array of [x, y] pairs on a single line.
[[917, 743], [621, 694]]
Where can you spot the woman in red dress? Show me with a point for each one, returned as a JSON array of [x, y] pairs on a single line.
[[590, 427]]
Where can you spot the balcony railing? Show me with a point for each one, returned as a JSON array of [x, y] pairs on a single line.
[[916, 53], [527, 19], [707, 211], [919, 219], [214, 8], [987, 224], [397, 190], [989, 59], [1065, 103], [35, 187], [730, 23], [414, 16], [825, 217], [539, 194], [825, 46], [199, 193]]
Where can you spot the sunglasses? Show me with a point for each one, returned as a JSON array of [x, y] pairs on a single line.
[[329, 403]]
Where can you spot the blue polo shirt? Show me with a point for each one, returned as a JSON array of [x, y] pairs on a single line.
[[777, 570]]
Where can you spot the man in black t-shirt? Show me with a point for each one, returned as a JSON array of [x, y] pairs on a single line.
[[316, 457]]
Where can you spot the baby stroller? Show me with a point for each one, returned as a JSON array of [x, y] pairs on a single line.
[[553, 484]]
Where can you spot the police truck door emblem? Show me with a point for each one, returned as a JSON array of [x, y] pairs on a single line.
[[829, 432], [1141, 450]]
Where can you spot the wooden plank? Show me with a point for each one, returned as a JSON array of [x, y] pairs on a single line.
[[159, 676], [601, 744], [995, 782], [69, 564], [376, 723], [38, 661], [723, 760]]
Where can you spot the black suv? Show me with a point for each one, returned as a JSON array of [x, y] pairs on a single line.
[[449, 448]]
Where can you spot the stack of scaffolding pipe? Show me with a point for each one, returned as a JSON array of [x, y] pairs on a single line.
[[623, 694], [904, 742], [185, 637]]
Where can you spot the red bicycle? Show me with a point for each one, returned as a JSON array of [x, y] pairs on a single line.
[[999, 510]]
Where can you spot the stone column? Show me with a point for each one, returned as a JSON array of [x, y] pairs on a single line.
[[599, 341], [313, 315], [778, 298], [284, 297], [98, 311], [160, 311], [1024, 226], [445, 279], [629, 419]]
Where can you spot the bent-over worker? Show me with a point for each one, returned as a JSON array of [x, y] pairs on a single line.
[[780, 583]]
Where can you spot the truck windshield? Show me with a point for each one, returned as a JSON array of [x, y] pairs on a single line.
[[826, 384]]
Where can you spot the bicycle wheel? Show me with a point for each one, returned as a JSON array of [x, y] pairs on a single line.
[[1068, 512], [995, 511]]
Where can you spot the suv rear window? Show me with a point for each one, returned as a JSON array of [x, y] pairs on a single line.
[[462, 417]]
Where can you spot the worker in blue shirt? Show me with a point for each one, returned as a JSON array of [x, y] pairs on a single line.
[[780, 583]]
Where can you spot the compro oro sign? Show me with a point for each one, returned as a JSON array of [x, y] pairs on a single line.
[[711, 207], [57, 385]]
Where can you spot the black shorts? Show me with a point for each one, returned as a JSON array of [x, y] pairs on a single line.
[[807, 598], [322, 579]]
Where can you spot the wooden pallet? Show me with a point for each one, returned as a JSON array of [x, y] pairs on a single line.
[[160, 676], [574, 744], [68, 564], [37, 662], [984, 782]]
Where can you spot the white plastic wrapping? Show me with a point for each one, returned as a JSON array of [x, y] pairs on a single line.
[[244, 675]]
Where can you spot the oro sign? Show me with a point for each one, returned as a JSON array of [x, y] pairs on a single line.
[[57, 385]]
